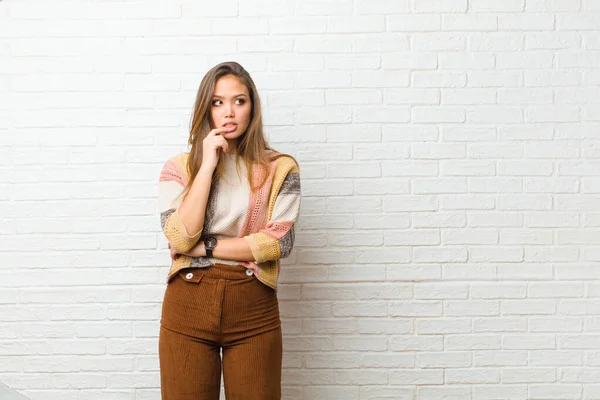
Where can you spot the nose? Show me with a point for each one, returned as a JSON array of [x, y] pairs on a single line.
[[228, 110]]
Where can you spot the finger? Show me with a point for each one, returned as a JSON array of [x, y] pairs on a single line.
[[220, 130], [221, 141], [224, 146]]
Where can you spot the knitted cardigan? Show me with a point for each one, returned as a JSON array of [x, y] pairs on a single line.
[[269, 237]]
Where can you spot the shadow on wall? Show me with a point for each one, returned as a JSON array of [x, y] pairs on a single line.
[[8, 394]]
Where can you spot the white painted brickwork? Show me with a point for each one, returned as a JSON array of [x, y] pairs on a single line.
[[449, 243]]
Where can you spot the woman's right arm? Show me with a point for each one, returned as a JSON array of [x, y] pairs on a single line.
[[193, 208], [182, 223]]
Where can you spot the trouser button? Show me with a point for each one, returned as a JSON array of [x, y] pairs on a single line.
[[249, 272]]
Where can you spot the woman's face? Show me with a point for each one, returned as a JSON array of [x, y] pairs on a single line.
[[231, 106]]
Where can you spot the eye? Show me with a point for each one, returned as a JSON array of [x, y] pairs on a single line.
[[217, 102], [240, 101]]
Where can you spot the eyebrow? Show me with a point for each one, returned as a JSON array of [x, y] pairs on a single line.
[[237, 95]]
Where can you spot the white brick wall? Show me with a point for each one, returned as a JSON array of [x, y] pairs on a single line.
[[449, 240]]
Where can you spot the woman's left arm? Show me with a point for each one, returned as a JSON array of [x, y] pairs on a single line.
[[235, 249]]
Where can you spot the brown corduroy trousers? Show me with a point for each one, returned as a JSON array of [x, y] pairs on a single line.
[[223, 307]]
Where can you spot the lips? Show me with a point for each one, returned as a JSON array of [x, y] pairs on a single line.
[[230, 125]]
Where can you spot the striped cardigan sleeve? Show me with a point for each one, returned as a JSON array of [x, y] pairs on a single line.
[[276, 239], [172, 181]]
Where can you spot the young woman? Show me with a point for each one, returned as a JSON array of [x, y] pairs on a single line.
[[228, 209]]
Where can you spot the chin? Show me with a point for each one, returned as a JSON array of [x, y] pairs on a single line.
[[235, 134]]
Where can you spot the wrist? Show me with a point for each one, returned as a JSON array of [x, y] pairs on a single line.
[[197, 250], [206, 171], [201, 250], [209, 245]]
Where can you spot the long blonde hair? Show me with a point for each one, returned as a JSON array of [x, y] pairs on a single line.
[[252, 147]]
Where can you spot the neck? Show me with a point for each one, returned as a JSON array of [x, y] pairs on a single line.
[[232, 145]]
